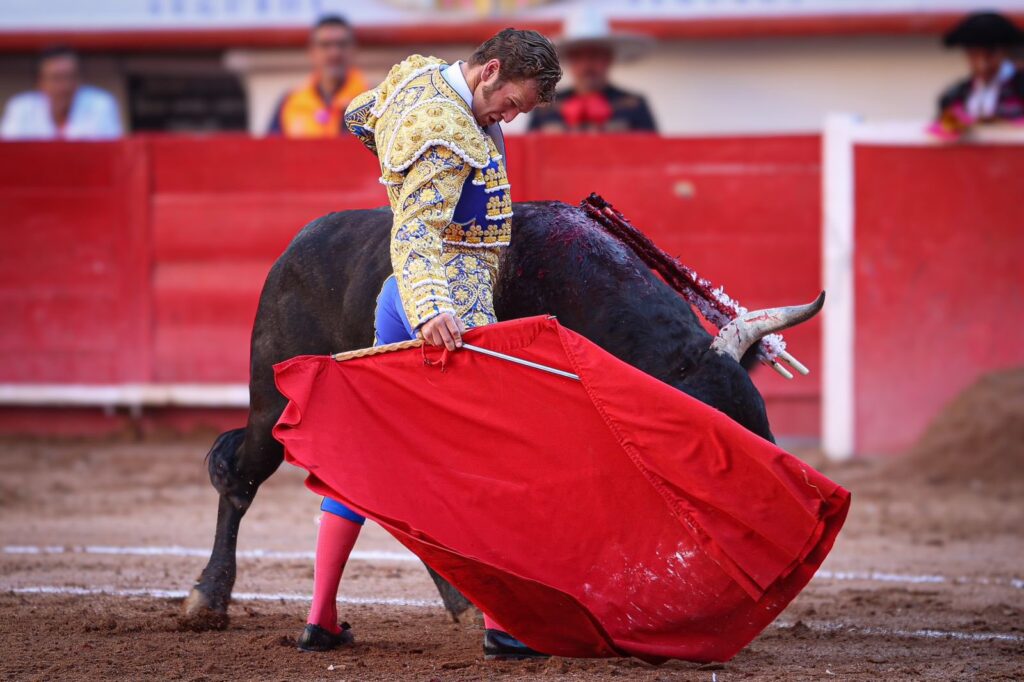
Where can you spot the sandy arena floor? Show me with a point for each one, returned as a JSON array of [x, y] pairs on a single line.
[[100, 542]]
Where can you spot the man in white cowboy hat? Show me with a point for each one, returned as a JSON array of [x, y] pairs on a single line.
[[588, 47]]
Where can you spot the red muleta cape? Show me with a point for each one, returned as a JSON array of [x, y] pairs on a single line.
[[604, 517]]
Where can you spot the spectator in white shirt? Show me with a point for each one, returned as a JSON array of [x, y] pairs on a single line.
[[62, 108]]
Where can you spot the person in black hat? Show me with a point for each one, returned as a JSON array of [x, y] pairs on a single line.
[[995, 89]]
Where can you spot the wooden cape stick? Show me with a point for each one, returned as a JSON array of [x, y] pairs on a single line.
[[377, 350]]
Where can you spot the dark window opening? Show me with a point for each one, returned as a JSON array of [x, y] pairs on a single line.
[[186, 103]]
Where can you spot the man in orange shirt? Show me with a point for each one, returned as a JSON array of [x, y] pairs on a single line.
[[317, 108]]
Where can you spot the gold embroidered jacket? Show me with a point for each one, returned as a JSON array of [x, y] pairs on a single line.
[[448, 189]]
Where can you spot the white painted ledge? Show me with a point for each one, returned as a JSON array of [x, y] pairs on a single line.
[[125, 395], [914, 134]]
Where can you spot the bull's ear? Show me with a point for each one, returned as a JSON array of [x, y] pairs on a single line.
[[737, 337]]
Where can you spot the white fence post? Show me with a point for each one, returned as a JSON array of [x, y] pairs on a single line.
[[837, 240]]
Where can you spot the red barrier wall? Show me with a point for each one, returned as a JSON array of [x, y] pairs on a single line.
[[938, 280], [74, 272], [221, 212], [142, 260]]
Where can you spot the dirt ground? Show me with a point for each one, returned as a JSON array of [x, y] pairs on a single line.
[[100, 540]]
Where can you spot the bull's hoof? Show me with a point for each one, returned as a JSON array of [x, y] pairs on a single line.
[[198, 615]]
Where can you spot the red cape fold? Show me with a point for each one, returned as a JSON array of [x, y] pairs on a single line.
[[609, 516]]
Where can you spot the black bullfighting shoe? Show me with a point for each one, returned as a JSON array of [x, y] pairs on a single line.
[[501, 646], [315, 638]]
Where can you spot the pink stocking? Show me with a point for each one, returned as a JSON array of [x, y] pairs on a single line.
[[334, 543], [491, 624]]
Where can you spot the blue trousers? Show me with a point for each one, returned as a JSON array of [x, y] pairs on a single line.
[[390, 325]]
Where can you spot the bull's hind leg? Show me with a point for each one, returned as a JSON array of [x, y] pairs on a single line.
[[239, 462], [206, 607]]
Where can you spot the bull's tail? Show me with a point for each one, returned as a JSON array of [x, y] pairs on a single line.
[[221, 461]]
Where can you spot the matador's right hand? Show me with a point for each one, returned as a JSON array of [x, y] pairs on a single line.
[[445, 330]]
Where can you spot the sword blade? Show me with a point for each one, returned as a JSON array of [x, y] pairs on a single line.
[[520, 361]]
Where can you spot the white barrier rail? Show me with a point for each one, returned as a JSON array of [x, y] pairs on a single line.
[[125, 395]]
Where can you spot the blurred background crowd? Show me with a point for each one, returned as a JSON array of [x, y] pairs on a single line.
[[289, 67]]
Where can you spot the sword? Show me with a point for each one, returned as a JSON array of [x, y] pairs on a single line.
[[520, 361], [416, 343]]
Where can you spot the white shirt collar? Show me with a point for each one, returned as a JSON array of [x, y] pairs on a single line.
[[453, 74], [984, 98], [454, 77]]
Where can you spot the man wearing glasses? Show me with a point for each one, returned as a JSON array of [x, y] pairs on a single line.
[[317, 109]]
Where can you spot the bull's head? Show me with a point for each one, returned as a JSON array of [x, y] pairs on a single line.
[[719, 377]]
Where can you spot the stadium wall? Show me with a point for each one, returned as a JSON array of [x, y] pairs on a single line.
[[130, 271]]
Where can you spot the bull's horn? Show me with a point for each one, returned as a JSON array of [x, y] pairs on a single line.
[[738, 336]]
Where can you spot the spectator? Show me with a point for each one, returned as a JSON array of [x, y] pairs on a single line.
[[317, 109], [61, 108], [994, 90], [588, 48]]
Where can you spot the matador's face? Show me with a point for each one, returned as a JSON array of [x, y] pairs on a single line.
[[496, 100]]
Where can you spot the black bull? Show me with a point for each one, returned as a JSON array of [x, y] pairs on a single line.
[[320, 295]]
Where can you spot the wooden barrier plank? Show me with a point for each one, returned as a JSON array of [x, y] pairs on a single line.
[[136, 352], [218, 225], [66, 263], [190, 164], [224, 292], [61, 166], [217, 352]]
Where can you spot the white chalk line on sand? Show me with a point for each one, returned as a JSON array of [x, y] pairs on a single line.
[[406, 556], [915, 579], [925, 633], [176, 551], [159, 593], [817, 626]]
